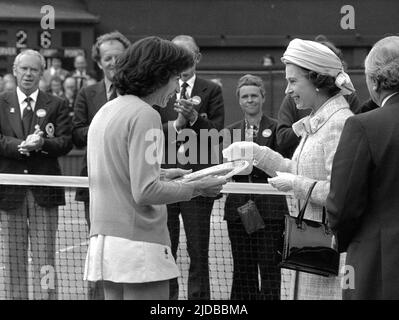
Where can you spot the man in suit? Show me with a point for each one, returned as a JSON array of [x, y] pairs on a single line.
[[69, 87], [255, 255], [56, 88], [105, 51], [80, 74], [363, 202], [186, 118], [35, 130]]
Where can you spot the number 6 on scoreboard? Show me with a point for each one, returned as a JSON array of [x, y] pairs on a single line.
[[45, 39]]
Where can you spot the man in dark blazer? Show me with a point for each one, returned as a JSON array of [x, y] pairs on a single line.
[[363, 203], [80, 74], [255, 255], [90, 99], [35, 129], [196, 154]]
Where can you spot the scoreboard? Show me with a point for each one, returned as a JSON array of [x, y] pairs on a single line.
[[65, 41]]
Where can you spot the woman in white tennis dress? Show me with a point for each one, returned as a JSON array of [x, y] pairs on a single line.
[[129, 245]]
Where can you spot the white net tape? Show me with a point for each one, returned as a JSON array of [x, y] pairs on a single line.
[[83, 182]]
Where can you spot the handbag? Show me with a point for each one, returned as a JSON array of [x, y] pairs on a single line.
[[250, 217], [309, 246]]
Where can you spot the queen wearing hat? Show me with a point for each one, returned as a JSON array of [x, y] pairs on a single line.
[[315, 80]]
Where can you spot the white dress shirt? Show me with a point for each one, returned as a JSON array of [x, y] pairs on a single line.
[[190, 84], [21, 100], [189, 89]]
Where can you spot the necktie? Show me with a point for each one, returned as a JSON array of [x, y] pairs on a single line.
[[27, 116], [79, 80], [183, 90], [113, 94]]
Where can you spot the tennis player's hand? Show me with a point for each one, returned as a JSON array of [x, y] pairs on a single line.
[[242, 150], [284, 181], [170, 174], [208, 186]]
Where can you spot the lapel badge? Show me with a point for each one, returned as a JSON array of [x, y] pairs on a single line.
[[195, 100], [12, 110], [266, 133], [41, 113], [50, 130], [204, 115]]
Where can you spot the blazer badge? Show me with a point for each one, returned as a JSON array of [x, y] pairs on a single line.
[[41, 113], [50, 130], [266, 133]]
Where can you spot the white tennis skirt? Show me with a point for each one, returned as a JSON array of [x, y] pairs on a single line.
[[125, 261]]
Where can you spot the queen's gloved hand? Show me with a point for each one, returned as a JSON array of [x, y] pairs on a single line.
[[242, 150], [284, 181]]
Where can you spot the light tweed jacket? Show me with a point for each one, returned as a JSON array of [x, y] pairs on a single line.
[[312, 161]]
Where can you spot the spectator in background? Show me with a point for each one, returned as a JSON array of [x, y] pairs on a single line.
[[9, 77], [289, 113], [363, 202], [10, 83], [35, 130], [80, 73], [44, 86], [196, 213], [105, 51], [56, 87], [55, 70], [267, 60], [260, 250], [69, 87], [10, 86], [1, 84], [90, 81], [319, 90]]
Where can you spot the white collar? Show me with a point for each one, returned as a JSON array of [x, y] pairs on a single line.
[[190, 81], [387, 98], [22, 96]]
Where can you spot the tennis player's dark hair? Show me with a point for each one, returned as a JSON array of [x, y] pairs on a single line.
[[148, 65]]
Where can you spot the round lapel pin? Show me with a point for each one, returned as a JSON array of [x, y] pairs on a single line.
[[266, 133], [41, 113], [50, 130]]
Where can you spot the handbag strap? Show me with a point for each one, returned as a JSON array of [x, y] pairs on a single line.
[[324, 219], [302, 211]]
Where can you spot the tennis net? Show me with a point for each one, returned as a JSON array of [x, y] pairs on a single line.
[[42, 254]]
